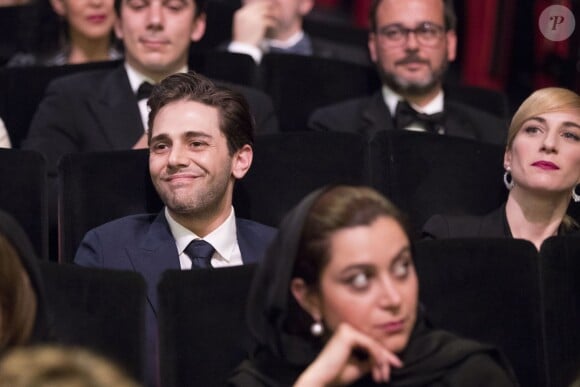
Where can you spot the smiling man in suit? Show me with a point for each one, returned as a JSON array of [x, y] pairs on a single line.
[[200, 142], [106, 110], [411, 43]]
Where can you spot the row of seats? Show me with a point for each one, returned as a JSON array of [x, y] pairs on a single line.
[[297, 85], [500, 291], [423, 174]]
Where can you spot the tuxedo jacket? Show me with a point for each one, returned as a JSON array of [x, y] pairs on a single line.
[[98, 111], [369, 115], [144, 244]]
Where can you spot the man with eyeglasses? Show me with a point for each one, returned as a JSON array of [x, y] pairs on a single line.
[[412, 43]]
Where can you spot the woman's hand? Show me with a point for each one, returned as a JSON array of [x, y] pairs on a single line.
[[339, 364]]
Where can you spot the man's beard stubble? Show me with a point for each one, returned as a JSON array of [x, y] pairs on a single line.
[[412, 88]]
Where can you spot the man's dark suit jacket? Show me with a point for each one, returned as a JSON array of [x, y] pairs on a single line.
[[369, 115], [98, 111], [144, 244]]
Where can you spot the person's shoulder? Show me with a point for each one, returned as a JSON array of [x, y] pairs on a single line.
[[482, 369], [441, 226], [127, 225], [83, 81], [255, 227], [340, 116]]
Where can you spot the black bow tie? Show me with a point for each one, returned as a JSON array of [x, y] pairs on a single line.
[[144, 91], [405, 116]]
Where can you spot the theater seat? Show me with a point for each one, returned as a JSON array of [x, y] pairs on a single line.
[[488, 290], [287, 166], [103, 310], [202, 329], [98, 187], [23, 194], [427, 174], [299, 84], [560, 274]]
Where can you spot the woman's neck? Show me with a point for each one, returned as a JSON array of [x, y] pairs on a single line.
[[84, 50], [535, 217]]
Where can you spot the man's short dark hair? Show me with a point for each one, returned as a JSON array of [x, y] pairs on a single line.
[[235, 120], [449, 16], [200, 6]]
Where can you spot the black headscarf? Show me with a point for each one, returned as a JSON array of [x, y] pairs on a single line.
[[281, 357], [12, 230]]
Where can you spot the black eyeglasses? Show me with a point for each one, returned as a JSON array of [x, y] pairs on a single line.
[[427, 34]]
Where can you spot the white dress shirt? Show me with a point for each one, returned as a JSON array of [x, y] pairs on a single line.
[[224, 240], [392, 99], [135, 80]]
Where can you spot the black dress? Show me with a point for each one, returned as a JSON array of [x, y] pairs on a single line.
[[432, 357], [492, 225]]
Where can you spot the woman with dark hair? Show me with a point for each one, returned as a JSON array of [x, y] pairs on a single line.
[[542, 174], [335, 302], [22, 312]]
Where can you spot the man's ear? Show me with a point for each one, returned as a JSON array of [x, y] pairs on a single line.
[[59, 8], [198, 28], [372, 44], [451, 38], [118, 28], [241, 161], [306, 298], [305, 7]]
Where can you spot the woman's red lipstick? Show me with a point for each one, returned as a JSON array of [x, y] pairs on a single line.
[[545, 165]]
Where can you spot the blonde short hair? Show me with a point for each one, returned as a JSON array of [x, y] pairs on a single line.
[[542, 101]]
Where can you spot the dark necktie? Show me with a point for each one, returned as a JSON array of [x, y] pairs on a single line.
[[405, 116], [200, 253], [144, 91]]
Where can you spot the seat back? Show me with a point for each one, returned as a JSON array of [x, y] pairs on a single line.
[[202, 330], [287, 166], [427, 174], [98, 187], [299, 84], [490, 101], [23, 194], [23, 89], [560, 269], [102, 310], [488, 290]]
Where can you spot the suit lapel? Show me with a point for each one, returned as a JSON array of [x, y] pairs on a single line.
[[116, 110], [246, 243], [156, 254], [376, 115]]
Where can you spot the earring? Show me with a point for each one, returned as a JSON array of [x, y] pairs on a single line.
[[507, 179], [575, 196], [316, 329]]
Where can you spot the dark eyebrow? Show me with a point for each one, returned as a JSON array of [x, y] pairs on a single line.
[[193, 133], [363, 266]]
